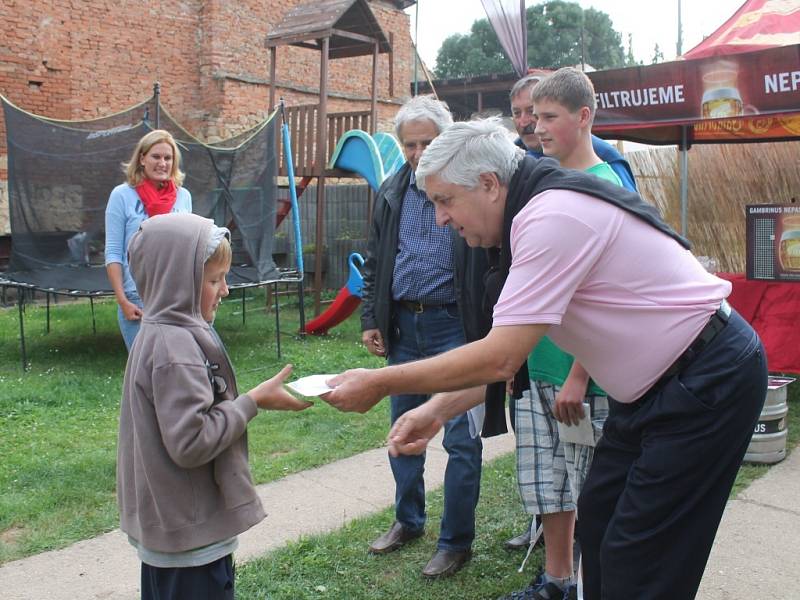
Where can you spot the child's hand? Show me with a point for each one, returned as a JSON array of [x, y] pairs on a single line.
[[271, 395]]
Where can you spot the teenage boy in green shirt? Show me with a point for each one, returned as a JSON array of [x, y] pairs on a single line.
[[550, 470]]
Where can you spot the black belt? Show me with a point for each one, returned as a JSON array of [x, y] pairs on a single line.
[[418, 307], [715, 324]]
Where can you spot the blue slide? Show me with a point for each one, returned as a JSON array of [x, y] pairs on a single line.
[[373, 157]]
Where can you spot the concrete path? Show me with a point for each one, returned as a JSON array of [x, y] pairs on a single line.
[[755, 554], [315, 501], [757, 550]]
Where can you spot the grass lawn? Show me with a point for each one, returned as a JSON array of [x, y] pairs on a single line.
[[337, 565], [58, 453], [59, 420]]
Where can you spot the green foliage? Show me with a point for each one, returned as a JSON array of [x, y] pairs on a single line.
[[560, 34], [630, 59], [658, 55]]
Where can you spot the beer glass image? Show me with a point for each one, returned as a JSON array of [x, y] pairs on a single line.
[[721, 98], [789, 244]]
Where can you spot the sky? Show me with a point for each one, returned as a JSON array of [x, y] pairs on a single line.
[[650, 22]]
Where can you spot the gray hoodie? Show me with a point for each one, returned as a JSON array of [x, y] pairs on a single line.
[[183, 480]]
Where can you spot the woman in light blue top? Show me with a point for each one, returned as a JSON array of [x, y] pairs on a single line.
[[152, 187]]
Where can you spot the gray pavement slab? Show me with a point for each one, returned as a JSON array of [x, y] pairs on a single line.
[[755, 554], [306, 503]]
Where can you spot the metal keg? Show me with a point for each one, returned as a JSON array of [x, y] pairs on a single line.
[[768, 444]]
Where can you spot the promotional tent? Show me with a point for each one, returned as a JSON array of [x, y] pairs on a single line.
[[741, 84]]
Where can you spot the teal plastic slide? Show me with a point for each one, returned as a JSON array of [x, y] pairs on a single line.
[[373, 157]]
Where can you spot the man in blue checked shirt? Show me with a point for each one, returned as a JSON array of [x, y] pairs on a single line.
[[410, 312]]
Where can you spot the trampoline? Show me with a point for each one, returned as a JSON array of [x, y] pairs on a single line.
[[60, 174]]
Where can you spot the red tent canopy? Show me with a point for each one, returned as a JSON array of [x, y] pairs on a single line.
[[757, 25]]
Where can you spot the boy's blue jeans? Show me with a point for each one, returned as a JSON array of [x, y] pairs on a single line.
[[416, 336]]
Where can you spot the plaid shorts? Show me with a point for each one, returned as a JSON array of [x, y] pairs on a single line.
[[550, 473]]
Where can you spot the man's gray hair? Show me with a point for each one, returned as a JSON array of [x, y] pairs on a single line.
[[466, 149], [524, 83], [423, 108]]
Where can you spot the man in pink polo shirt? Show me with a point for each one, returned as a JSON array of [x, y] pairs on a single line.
[[596, 269]]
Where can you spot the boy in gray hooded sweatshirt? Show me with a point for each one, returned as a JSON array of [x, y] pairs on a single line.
[[183, 482]]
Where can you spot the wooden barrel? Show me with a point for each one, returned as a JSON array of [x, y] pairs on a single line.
[[768, 444]]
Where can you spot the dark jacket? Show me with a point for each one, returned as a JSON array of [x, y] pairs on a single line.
[[469, 266]]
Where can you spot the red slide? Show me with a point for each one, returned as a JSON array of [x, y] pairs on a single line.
[[342, 307], [347, 300]]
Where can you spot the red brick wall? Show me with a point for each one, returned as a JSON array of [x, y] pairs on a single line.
[[79, 59]]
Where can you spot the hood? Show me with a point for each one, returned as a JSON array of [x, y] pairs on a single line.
[[166, 258]]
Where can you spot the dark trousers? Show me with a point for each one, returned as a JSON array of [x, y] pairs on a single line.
[[663, 471], [213, 581]]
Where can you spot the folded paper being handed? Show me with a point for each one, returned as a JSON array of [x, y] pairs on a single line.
[[313, 385]]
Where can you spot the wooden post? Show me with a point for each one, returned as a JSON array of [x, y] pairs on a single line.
[[322, 139], [391, 64], [373, 109], [273, 55]]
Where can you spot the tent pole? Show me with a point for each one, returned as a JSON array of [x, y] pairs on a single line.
[[684, 180]]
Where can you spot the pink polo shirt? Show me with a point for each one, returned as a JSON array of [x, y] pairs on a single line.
[[622, 297]]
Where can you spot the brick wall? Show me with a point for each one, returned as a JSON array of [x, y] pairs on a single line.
[[79, 59]]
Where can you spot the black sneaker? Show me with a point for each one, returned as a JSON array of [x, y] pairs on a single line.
[[541, 590]]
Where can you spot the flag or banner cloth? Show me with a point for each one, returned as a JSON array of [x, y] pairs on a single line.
[[507, 18]]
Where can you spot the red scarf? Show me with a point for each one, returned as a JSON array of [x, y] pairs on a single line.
[[157, 201]]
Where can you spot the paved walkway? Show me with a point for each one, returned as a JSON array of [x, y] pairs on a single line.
[[755, 555], [306, 503]]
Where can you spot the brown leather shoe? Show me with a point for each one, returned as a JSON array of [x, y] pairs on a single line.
[[393, 539], [446, 562]]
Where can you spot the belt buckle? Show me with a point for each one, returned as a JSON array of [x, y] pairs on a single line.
[[417, 307]]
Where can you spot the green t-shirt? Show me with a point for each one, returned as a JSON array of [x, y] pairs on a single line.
[[548, 362]]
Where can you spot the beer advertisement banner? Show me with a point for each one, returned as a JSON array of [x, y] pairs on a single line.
[[773, 242], [748, 96]]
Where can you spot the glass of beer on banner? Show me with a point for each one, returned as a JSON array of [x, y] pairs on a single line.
[[721, 98]]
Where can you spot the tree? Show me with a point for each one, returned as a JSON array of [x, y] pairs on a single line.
[[658, 55], [630, 59], [560, 33], [476, 53]]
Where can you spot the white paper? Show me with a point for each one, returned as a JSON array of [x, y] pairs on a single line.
[[582, 433], [313, 385], [475, 417]]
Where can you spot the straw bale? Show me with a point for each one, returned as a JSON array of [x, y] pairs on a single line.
[[723, 179]]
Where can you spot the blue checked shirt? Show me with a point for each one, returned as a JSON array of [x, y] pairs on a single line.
[[423, 268]]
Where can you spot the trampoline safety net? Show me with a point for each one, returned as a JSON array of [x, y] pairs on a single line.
[[60, 174]]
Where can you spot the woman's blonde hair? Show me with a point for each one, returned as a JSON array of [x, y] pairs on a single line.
[[134, 172]]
